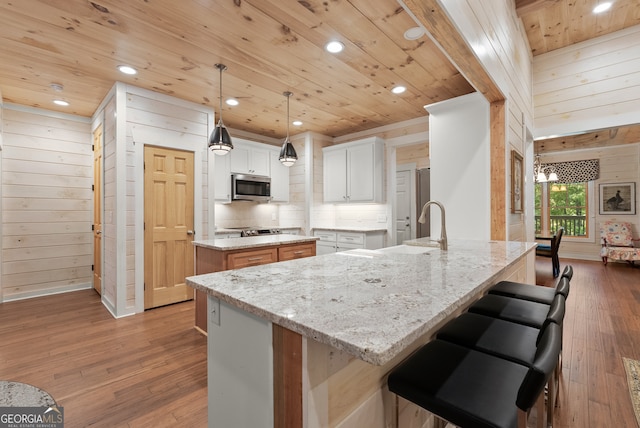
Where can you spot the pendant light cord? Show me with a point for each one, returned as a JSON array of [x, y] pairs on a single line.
[[222, 68], [288, 96]]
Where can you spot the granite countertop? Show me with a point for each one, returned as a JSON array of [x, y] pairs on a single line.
[[371, 304], [353, 229], [229, 244]]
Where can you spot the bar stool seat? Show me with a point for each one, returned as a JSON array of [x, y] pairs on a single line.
[[524, 312], [498, 337], [533, 293], [473, 389]]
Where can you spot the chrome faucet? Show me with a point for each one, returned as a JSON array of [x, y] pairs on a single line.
[[443, 229]]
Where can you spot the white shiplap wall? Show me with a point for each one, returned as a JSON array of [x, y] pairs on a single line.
[[589, 85], [46, 203], [132, 118]]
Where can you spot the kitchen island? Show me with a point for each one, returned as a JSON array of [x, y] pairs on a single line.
[[215, 255], [309, 342]]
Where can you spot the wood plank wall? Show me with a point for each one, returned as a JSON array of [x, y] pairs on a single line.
[[589, 85], [47, 203], [168, 123]]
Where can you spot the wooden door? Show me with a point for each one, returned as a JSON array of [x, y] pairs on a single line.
[[168, 218], [97, 209]]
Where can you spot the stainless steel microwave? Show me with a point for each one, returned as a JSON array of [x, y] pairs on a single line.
[[246, 187]]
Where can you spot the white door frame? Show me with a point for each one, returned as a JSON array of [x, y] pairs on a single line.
[[391, 144], [411, 167]]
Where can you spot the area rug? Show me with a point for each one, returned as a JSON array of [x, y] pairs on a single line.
[[632, 367]]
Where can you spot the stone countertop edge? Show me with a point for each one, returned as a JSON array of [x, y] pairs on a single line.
[[414, 320], [249, 242], [352, 229]]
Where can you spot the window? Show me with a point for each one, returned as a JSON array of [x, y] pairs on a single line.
[[562, 205]]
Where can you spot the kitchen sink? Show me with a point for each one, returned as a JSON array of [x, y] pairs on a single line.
[[407, 249]]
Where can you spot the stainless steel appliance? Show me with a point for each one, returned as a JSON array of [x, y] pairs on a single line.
[[423, 192], [258, 232], [245, 187]]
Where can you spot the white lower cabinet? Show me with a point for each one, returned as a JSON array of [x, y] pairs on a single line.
[[332, 240]]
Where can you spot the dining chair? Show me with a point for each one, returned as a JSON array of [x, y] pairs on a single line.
[[551, 250]]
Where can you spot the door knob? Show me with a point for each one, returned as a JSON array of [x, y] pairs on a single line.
[[191, 232]]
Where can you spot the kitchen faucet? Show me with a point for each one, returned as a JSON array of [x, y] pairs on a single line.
[[443, 230]]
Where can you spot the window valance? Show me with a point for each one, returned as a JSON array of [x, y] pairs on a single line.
[[575, 171]]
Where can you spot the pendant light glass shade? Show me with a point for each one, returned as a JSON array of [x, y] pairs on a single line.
[[220, 140], [288, 155]]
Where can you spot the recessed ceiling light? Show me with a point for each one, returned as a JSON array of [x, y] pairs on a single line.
[[334, 47], [398, 89], [413, 33], [297, 123], [602, 7], [61, 103], [232, 102], [127, 69], [56, 87]]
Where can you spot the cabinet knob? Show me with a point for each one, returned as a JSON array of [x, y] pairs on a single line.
[[191, 232]]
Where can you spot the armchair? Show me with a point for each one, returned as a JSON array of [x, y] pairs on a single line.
[[551, 250], [617, 242]]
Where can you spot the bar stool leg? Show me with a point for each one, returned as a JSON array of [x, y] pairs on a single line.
[[438, 422]]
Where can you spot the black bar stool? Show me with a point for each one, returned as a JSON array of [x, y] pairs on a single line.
[[473, 389], [511, 309], [533, 293], [506, 339]]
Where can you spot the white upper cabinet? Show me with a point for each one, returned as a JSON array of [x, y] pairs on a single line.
[[248, 158], [354, 172], [335, 175], [222, 178], [279, 178]]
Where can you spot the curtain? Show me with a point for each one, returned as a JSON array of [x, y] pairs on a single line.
[[575, 171]]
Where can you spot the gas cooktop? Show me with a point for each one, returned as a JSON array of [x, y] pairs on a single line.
[[256, 231]]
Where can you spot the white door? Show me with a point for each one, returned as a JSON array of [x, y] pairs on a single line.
[[403, 206]]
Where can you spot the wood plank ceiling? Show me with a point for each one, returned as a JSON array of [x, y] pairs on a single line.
[[269, 47]]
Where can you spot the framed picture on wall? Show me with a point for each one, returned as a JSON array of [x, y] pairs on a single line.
[[517, 179], [618, 198]]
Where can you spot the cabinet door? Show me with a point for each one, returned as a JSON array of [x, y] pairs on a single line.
[[259, 162], [279, 179], [252, 258], [239, 158], [335, 175], [222, 178], [360, 173], [325, 248]]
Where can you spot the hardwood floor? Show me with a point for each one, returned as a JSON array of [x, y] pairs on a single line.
[[149, 370], [146, 370], [602, 325]]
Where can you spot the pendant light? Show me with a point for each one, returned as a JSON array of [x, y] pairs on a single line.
[[288, 155], [537, 169], [220, 140]]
